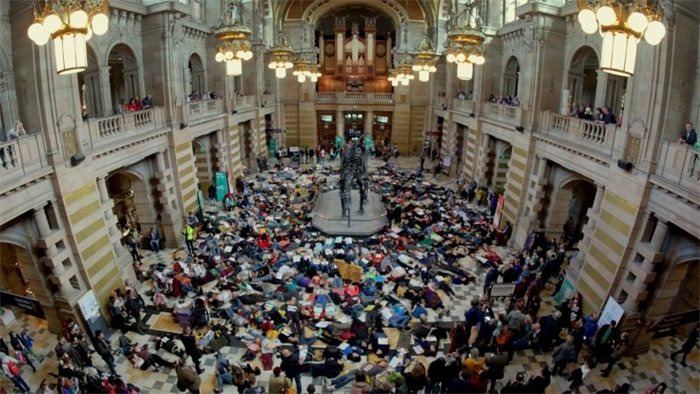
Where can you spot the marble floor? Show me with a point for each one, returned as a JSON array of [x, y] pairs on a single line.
[[641, 371]]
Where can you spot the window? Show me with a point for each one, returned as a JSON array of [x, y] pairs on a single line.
[[197, 9]]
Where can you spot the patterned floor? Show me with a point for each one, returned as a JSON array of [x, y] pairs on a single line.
[[641, 371]]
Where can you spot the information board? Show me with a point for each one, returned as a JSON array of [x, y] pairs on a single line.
[[612, 311], [29, 305], [502, 290]]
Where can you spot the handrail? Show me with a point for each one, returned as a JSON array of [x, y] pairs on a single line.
[[20, 157], [503, 112], [679, 164], [585, 133], [355, 97], [463, 105], [199, 109], [107, 128]]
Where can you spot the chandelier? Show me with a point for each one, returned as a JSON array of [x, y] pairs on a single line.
[[70, 24], [234, 39], [281, 56], [464, 42], [302, 69], [424, 60], [622, 23]]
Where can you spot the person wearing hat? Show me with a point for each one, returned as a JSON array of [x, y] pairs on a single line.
[[618, 349]]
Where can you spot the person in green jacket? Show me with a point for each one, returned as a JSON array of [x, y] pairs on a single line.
[[188, 232]]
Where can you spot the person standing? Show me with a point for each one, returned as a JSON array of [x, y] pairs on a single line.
[[688, 345], [187, 379], [134, 305], [190, 342], [11, 369], [496, 364], [292, 366], [134, 250], [211, 191], [21, 352], [603, 341], [104, 349], [155, 239], [188, 232], [562, 355], [689, 136], [618, 349]]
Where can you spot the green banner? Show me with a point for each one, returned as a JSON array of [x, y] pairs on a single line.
[[221, 185], [272, 148]]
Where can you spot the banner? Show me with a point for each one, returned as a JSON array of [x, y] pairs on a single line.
[[272, 148], [499, 210], [29, 305], [612, 311], [565, 291], [89, 306], [221, 182]]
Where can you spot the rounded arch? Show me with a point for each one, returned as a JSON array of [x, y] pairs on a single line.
[[583, 77], [196, 82], [569, 181], [94, 61], [511, 77], [319, 8], [124, 80]]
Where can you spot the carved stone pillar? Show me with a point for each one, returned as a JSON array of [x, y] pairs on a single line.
[[52, 259], [339, 123], [170, 221], [369, 122], [105, 92], [109, 217]]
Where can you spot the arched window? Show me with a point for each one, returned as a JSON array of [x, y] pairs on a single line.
[[89, 84], [123, 76], [511, 77], [196, 84], [583, 77]]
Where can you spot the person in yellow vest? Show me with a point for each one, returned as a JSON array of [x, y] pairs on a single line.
[[188, 232]]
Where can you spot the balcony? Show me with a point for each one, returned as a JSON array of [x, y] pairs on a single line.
[[679, 170], [241, 103], [354, 98], [504, 113], [202, 109], [106, 131], [585, 135], [462, 105], [20, 159]]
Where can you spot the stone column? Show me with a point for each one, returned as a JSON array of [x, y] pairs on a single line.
[[169, 220], [369, 122], [56, 266], [600, 191], [600, 88], [105, 91], [339, 123], [339, 45]]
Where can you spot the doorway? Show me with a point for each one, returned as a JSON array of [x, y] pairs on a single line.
[[354, 124]]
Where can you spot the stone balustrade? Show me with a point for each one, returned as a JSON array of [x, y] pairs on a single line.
[[505, 113], [202, 109], [463, 105], [105, 130], [589, 135], [21, 157], [268, 99], [354, 98], [679, 165]]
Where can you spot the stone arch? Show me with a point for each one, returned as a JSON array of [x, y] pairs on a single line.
[[319, 8], [511, 77], [89, 86], [133, 203], [124, 80], [583, 76], [196, 75]]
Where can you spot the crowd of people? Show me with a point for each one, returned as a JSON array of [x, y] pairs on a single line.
[[372, 314], [509, 100], [135, 104], [602, 114]]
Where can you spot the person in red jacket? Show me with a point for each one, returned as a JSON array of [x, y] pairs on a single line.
[[264, 241]]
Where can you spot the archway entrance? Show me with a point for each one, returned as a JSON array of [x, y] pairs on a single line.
[[123, 76], [501, 162], [21, 283], [204, 151], [583, 77], [326, 127], [245, 143], [354, 125], [381, 128], [133, 205], [569, 206]]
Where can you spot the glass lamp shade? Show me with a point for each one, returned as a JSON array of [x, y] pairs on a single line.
[[301, 78], [394, 82], [71, 53], [606, 16], [280, 72], [234, 67], [619, 53], [655, 32], [432, 69], [416, 67], [637, 22], [465, 71], [450, 58], [89, 34], [314, 78], [100, 24], [404, 82], [52, 23], [272, 65], [423, 76], [460, 58], [588, 21], [79, 19], [228, 55], [247, 55], [38, 34], [480, 60], [219, 57], [288, 65]]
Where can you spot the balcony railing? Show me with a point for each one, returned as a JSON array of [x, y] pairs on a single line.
[[244, 102], [103, 130], [354, 98], [20, 157], [268, 99], [202, 109], [462, 105], [505, 113], [587, 134], [679, 164]]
